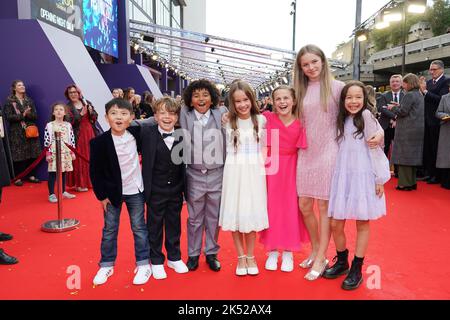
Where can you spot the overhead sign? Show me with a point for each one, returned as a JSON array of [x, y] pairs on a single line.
[[94, 21]]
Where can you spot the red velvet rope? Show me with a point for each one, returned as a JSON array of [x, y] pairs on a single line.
[[31, 167], [76, 153], [39, 159]]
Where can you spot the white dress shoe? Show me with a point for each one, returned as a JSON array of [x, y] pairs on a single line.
[[178, 266], [158, 271], [241, 271], [253, 271], [272, 261], [103, 274], [287, 264], [143, 273]]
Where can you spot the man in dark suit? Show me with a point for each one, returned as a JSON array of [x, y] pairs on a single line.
[[4, 181], [432, 90], [387, 117]]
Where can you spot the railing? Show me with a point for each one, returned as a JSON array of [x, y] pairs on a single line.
[[412, 48]]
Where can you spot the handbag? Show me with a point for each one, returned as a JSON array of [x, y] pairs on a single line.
[[31, 131]]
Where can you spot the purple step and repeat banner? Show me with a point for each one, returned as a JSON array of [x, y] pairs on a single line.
[[94, 21]]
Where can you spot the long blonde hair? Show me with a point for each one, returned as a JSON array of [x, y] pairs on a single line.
[[254, 111], [300, 80]]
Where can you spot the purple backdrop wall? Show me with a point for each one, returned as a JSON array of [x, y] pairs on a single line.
[[8, 9], [29, 56], [123, 76]]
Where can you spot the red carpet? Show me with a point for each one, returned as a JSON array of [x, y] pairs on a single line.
[[409, 248]]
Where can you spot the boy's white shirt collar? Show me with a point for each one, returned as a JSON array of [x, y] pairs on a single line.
[[162, 131], [199, 115]]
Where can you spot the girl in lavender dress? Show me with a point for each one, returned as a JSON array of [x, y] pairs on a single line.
[[357, 191], [317, 96]]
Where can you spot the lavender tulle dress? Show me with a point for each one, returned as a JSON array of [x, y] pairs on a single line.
[[358, 169]]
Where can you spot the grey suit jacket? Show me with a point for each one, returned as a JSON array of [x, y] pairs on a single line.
[[187, 119]]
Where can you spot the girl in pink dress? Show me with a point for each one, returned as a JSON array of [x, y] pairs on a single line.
[[317, 102], [285, 135]]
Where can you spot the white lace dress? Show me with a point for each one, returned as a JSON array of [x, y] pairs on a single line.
[[244, 195]]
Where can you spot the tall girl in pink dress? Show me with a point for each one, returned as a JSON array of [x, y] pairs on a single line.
[[317, 102], [285, 135]]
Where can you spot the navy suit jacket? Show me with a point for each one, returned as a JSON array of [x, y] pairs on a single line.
[[432, 99], [104, 168]]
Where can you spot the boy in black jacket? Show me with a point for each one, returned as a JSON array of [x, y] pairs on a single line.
[[116, 178], [164, 179]]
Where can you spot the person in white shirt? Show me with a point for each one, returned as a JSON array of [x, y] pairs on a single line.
[[116, 178]]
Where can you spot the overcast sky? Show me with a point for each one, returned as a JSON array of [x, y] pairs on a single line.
[[325, 23]]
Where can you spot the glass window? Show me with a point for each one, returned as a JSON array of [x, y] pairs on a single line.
[[176, 16], [136, 12], [163, 12]]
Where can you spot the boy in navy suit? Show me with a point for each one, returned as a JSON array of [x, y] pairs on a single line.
[[164, 182], [116, 178]]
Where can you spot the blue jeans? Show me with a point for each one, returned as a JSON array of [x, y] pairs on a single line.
[[135, 206]]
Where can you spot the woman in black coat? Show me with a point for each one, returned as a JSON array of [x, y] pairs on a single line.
[[20, 112]]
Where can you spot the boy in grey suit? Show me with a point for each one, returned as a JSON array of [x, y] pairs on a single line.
[[201, 121]]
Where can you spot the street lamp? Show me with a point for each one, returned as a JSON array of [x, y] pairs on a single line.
[[294, 17], [411, 6], [356, 46]]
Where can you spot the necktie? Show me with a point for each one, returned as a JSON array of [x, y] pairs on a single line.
[[203, 120], [395, 98], [434, 81], [165, 135]]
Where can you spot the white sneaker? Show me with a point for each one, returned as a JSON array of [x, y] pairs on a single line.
[[178, 266], [79, 189], [52, 198], [68, 195], [143, 273], [272, 261], [158, 271], [287, 264], [103, 274]]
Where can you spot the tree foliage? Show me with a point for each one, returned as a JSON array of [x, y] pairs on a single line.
[[394, 33], [439, 17]]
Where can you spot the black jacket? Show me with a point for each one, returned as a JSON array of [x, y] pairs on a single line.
[[385, 114], [104, 168], [432, 99], [149, 135]]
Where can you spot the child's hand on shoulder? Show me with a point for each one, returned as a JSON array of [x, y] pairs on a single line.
[[375, 141], [225, 118], [379, 190], [73, 156]]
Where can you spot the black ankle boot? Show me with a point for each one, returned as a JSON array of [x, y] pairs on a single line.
[[341, 266], [354, 277]]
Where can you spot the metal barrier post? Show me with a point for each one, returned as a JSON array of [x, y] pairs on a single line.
[[60, 225]]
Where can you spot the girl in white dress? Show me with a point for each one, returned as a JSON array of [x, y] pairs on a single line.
[[243, 208], [59, 124]]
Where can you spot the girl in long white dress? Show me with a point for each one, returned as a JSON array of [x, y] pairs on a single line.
[[243, 208]]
